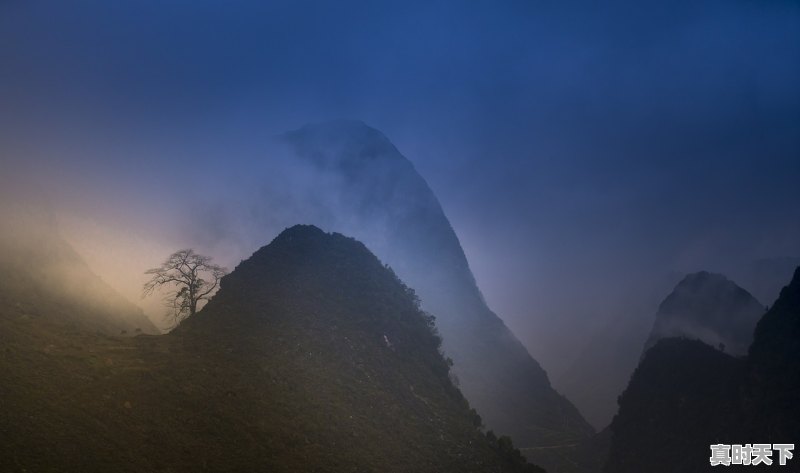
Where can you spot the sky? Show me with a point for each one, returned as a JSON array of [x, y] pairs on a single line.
[[586, 153]]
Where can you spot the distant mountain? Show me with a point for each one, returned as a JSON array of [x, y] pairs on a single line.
[[41, 275], [702, 305], [686, 396], [313, 356], [382, 200], [711, 308]]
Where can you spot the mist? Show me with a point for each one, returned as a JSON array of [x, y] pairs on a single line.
[[588, 156]]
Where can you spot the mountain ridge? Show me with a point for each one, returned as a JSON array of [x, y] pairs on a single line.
[[390, 207]]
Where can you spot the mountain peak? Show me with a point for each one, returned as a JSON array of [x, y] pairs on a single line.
[[298, 235], [338, 126], [341, 143], [301, 276], [700, 288], [305, 247], [703, 280], [711, 308]]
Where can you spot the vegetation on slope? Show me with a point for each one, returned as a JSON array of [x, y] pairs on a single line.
[[312, 357]]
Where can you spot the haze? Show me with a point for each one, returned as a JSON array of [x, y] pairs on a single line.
[[587, 154]]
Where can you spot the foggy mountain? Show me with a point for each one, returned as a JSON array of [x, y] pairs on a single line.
[[603, 368], [711, 308], [313, 356], [686, 395], [382, 200], [544, 175], [41, 275]]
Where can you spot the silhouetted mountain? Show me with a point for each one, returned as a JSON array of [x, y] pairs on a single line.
[[313, 356], [775, 367], [711, 308], [389, 206], [686, 396], [41, 275]]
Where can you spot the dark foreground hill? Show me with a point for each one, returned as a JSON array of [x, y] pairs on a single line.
[[42, 276], [313, 356], [686, 395], [381, 199]]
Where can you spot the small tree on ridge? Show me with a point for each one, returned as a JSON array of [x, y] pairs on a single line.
[[192, 278]]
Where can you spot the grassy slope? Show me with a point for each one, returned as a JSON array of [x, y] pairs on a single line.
[[286, 370], [42, 276]]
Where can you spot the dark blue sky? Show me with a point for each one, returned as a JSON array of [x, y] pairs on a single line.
[[581, 149]]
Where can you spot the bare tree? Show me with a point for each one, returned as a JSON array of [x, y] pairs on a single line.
[[192, 278]]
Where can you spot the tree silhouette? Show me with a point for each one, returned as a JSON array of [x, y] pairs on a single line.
[[193, 277]]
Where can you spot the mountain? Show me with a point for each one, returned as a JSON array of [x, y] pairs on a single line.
[[382, 200], [709, 301], [313, 356], [41, 275], [775, 367], [711, 308], [686, 395]]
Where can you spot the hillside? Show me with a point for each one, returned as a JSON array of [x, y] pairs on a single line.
[[41, 275], [686, 395], [381, 199], [313, 356]]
